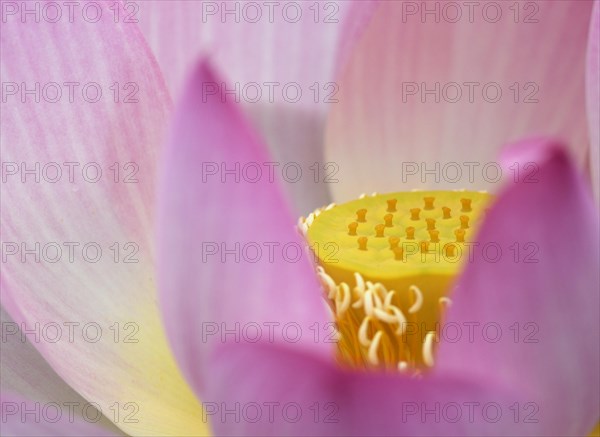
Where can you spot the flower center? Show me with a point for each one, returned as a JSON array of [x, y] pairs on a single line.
[[386, 263]]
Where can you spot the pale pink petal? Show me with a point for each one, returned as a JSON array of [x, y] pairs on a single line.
[[119, 352], [529, 314], [593, 98], [32, 418], [385, 121], [24, 371], [275, 56], [218, 278]]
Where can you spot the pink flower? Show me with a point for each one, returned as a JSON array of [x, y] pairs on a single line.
[[556, 378]]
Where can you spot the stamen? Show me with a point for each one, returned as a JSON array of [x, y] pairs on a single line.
[[445, 302], [368, 300], [373, 359], [414, 213], [362, 243], [410, 233], [398, 253], [342, 305], [383, 316], [428, 349], [379, 230], [388, 299], [361, 215], [466, 205], [400, 319], [375, 290], [418, 299], [429, 202], [327, 281], [446, 212], [362, 332], [360, 283], [394, 241], [329, 310]]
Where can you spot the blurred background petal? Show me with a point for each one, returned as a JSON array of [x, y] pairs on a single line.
[[24, 372], [533, 53], [296, 44]]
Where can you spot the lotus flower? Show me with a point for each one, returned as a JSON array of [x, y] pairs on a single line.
[[298, 381]]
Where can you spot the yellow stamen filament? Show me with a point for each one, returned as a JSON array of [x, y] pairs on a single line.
[[379, 230], [428, 202], [410, 233], [464, 222], [414, 213], [446, 212], [466, 205], [394, 241], [361, 215]]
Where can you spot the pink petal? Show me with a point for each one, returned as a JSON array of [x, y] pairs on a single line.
[[379, 127], [23, 417], [275, 49], [24, 371], [534, 310], [593, 97], [280, 392], [59, 212], [205, 290]]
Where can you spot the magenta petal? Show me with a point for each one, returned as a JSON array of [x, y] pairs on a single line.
[[542, 293], [280, 392], [593, 97], [24, 417], [205, 289]]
